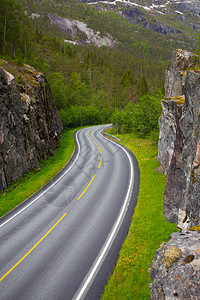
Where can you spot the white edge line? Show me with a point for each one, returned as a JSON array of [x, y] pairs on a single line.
[[76, 139], [108, 243]]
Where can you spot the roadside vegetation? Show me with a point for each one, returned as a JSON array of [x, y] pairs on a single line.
[[148, 229], [31, 182], [90, 86], [141, 117]]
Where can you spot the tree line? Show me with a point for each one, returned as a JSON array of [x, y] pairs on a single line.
[[89, 85]]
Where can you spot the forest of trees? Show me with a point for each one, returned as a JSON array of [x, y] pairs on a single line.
[[13, 29], [90, 85]]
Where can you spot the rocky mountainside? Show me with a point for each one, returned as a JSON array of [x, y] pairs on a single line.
[[175, 269], [81, 23], [163, 17], [75, 27], [178, 7], [30, 124]]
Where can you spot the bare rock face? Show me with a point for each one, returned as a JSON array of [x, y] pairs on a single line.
[[29, 123], [175, 270], [74, 27], [178, 149], [135, 16]]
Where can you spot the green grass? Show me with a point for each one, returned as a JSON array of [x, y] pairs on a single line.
[[31, 182], [148, 229]]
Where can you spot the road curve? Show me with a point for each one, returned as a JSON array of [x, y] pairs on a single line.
[[63, 242]]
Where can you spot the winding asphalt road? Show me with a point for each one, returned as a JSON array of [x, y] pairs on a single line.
[[63, 242]]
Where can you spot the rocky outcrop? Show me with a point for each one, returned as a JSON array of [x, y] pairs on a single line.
[[29, 122], [175, 270], [178, 148], [135, 16], [75, 28], [189, 6], [155, 15]]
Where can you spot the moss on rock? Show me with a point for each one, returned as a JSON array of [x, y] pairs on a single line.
[[172, 255], [195, 228]]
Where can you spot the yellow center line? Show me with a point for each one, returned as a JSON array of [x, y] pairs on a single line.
[[87, 186], [98, 167], [100, 163], [55, 223], [91, 137], [31, 249], [100, 149]]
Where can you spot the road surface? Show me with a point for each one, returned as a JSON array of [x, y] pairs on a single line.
[[63, 242]]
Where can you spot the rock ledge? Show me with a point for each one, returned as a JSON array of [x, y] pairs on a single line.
[[29, 122], [177, 276]]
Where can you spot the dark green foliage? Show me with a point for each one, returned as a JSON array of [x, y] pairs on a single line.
[[117, 120], [142, 86], [58, 89], [127, 125], [141, 117], [90, 84], [146, 113], [38, 35], [13, 30], [83, 115]]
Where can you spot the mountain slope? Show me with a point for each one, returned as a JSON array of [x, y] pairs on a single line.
[[97, 55], [164, 17], [104, 47]]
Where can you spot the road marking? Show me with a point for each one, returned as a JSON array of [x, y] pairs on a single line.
[[98, 166], [100, 149], [91, 137], [42, 195], [76, 138], [32, 248], [87, 187], [100, 258], [100, 163], [38, 198]]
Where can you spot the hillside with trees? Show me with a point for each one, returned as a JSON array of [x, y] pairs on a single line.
[[90, 84]]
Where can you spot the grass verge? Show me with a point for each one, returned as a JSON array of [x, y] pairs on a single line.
[[31, 182], [148, 229]]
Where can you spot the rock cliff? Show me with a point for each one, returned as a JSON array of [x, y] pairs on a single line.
[[136, 16], [29, 122], [175, 270], [179, 140], [74, 28]]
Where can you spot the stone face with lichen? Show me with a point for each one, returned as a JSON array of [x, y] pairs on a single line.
[[175, 269], [179, 140], [172, 255], [29, 123]]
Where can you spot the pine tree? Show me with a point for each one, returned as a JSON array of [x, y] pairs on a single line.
[[142, 87]]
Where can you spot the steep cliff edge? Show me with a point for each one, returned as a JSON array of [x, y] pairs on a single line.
[[175, 269], [29, 121], [179, 140]]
